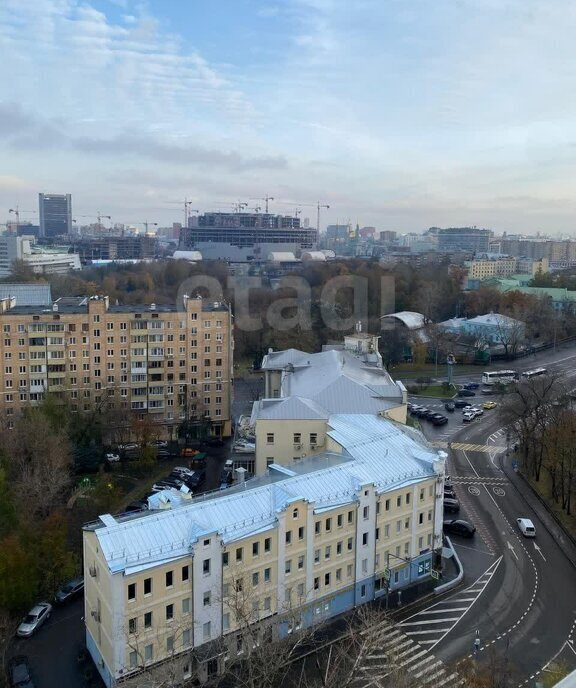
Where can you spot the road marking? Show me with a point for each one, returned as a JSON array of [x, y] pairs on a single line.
[[462, 446], [472, 489], [539, 551], [511, 548], [498, 491], [420, 624]]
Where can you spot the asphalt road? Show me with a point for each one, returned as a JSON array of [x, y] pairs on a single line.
[[524, 609]]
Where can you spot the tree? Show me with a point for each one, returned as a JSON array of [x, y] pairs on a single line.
[[511, 334]]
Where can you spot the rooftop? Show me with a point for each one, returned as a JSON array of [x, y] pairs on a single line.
[[34, 294], [375, 451]]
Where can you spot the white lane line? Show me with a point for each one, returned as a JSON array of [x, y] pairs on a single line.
[[431, 621]]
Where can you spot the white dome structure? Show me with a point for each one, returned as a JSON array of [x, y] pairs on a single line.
[[317, 256]]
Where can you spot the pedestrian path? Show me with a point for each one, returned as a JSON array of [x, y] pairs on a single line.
[[478, 480], [431, 625], [391, 652], [486, 448]]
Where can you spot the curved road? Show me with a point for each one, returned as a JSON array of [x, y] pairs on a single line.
[[526, 612]]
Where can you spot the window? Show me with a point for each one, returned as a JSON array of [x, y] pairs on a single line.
[[169, 579], [169, 612], [316, 583], [350, 544], [288, 537], [313, 439], [398, 526], [349, 570], [377, 533], [170, 643], [365, 513], [288, 566], [185, 573], [267, 544], [206, 599], [328, 525], [255, 549], [225, 559], [364, 538], [362, 591], [327, 552], [267, 604], [339, 520], [132, 591], [407, 498], [350, 517], [148, 652], [226, 621], [301, 533], [186, 641], [387, 505], [133, 659], [301, 562], [239, 584], [421, 518], [399, 501], [147, 586], [339, 547], [387, 531], [206, 566], [317, 528], [407, 523], [239, 554], [269, 438], [148, 620], [255, 578], [326, 579], [132, 625], [186, 605], [316, 556], [267, 575], [206, 631]]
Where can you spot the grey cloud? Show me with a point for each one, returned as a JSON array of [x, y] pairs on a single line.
[[23, 131]]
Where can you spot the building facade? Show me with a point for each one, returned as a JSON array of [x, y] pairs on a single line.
[[246, 236], [469, 239], [178, 590], [41, 260], [55, 214], [170, 363], [116, 248]]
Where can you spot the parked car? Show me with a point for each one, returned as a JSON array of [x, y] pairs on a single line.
[[128, 447], [489, 405], [439, 420], [198, 460], [471, 385], [167, 484], [215, 442], [466, 393], [242, 447], [459, 527], [468, 416], [450, 406], [451, 504], [196, 480], [19, 672], [526, 527], [159, 443], [181, 472], [449, 491], [415, 409], [112, 458], [226, 477], [189, 451], [34, 619], [69, 591], [461, 403]]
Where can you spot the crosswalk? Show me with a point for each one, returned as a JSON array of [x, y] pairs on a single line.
[[431, 625], [394, 659], [486, 448]]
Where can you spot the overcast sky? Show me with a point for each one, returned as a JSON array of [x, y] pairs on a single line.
[[401, 114]]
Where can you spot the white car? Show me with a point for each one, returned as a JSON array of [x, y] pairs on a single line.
[[182, 472], [112, 458], [34, 619], [468, 416], [467, 409], [526, 527], [477, 411]]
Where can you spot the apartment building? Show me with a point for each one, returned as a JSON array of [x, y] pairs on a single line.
[[177, 590], [303, 390], [483, 269], [171, 363]]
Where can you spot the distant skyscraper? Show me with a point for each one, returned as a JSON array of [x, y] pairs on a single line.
[[55, 214]]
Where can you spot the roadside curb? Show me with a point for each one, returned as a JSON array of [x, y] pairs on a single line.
[[565, 541], [455, 581]]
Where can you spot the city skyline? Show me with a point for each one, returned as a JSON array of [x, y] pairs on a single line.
[[398, 117]]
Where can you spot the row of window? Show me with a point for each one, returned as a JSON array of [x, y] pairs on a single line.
[[61, 327], [148, 582]]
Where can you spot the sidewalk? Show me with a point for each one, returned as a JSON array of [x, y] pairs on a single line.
[[545, 516]]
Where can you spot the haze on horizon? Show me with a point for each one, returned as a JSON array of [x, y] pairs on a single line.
[[398, 114]]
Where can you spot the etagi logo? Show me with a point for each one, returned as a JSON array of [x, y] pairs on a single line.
[[295, 310]]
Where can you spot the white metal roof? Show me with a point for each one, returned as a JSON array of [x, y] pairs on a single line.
[[376, 451], [314, 256], [282, 257], [411, 319]]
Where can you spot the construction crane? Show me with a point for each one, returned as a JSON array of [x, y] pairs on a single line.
[[239, 206], [187, 209], [266, 199], [17, 212], [99, 217], [318, 207], [146, 223]]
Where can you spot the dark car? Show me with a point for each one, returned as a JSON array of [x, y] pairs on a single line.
[[451, 504], [134, 507], [196, 480], [449, 491], [439, 420], [214, 442], [471, 385], [415, 409], [450, 406], [424, 413], [69, 591], [460, 403], [19, 672], [466, 393], [459, 527]]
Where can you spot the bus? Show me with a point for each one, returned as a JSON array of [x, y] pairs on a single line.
[[529, 374], [502, 376]]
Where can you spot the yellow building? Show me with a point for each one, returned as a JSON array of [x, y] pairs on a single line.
[[168, 363], [497, 267], [303, 390], [176, 591]]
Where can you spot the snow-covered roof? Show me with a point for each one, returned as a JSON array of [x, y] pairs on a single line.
[[410, 319], [314, 256], [375, 451], [282, 257], [187, 255]]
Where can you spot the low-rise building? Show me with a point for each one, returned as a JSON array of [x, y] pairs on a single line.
[[492, 328], [176, 590], [303, 390]]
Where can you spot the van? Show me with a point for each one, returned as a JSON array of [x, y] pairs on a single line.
[[526, 527]]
